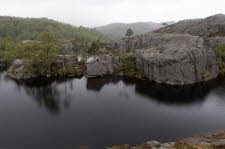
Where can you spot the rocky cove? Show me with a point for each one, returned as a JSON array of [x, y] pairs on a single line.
[[167, 56], [164, 85]]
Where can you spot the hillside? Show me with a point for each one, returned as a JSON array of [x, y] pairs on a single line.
[[117, 31], [30, 28], [210, 26]]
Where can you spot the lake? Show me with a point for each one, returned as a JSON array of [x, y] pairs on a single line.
[[104, 112]]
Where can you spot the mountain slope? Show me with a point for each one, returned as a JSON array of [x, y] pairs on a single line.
[[30, 28], [118, 30], [210, 26]]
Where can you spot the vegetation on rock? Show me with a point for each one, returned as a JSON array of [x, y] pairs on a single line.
[[128, 67]]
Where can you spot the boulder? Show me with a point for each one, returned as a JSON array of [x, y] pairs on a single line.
[[31, 41], [103, 65], [177, 59], [17, 71]]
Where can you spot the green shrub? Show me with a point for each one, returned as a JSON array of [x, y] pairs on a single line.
[[220, 50], [206, 75], [82, 62]]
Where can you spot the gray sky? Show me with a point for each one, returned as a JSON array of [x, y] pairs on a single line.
[[92, 13]]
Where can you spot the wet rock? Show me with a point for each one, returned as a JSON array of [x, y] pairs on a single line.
[[177, 59], [103, 65]]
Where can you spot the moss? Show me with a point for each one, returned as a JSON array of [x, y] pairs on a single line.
[[70, 69], [128, 67], [182, 145], [126, 146], [206, 75], [219, 50]]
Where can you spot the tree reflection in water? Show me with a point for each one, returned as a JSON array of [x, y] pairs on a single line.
[[47, 94]]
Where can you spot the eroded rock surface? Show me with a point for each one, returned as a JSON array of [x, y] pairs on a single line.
[[177, 59], [103, 65]]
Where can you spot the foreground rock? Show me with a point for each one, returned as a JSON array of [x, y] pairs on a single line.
[[212, 141], [177, 59], [103, 65], [20, 70]]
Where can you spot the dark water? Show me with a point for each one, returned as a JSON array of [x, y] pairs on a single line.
[[105, 112]]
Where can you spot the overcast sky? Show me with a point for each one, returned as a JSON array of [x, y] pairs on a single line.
[[91, 13]]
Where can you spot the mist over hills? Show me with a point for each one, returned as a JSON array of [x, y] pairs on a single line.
[[117, 31]]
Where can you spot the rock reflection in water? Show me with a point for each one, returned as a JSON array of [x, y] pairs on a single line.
[[162, 93]]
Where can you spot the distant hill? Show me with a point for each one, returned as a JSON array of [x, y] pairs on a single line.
[[117, 31], [30, 28]]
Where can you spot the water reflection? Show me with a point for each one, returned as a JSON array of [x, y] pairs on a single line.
[[47, 93], [105, 111], [96, 84], [163, 93]]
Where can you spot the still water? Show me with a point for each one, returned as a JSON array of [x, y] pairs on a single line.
[[105, 112]]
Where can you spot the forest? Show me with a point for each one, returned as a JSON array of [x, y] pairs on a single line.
[[19, 29]]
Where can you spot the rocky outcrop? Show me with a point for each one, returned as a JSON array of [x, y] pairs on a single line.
[[210, 26], [103, 65], [177, 59], [20, 70], [181, 53]]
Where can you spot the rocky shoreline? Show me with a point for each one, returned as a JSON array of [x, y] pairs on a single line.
[[210, 141], [180, 54]]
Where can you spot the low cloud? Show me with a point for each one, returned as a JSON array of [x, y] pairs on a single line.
[[99, 12]]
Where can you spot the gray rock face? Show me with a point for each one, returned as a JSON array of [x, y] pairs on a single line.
[[216, 41], [212, 25], [103, 65], [17, 71], [177, 59]]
